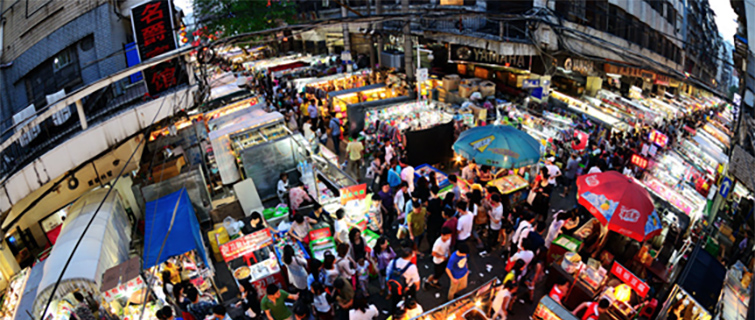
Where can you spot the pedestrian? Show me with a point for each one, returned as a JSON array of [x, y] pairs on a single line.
[[309, 134], [166, 313], [329, 271], [299, 229], [321, 301], [417, 221], [273, 303], [454, 180], [387, 205], [451, 222], [334, 131], [362, 310], [199, 308], [507, 292], [401, 198], [344, 296], [357, 245], [571, 173], [378, 167], [435, 218], [407, 174], [355, 151], [496, 221], [559, 219], [458, 270], [302, 312], [553, 171], [394, 174], [297, 268], [542, 191], [219, 313], [469, 172], [341, 227], [383, 254], [82, 311], [465, 223], [535, 274], [249, 302], [346, 266], [402, 277], [524, 228], [441, 252], [363, 276]]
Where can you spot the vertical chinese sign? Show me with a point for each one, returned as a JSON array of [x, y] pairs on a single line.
[[153, 30]]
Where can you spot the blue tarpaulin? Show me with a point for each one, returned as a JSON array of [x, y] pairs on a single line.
[[184, 236]]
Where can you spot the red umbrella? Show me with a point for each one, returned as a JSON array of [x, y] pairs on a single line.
[[621, 203], [580, 140]]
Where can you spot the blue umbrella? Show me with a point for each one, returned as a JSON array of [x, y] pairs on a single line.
[[499, 146]]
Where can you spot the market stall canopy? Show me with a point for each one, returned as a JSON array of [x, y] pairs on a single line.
[[621, 203], [499, 146], [104, 245], [171, 228]]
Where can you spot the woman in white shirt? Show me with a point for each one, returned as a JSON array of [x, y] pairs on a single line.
[[503, 298], [361, 310]]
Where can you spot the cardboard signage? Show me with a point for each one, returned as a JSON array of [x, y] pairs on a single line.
[[630, 279], [153, 30]]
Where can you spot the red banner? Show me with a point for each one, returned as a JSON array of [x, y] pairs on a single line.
[[630, 279], [357, 192], [248, 243]]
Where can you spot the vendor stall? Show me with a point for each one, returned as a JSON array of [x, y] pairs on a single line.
[[687, 200], [549, 309], [252, 258], [580, 107], [104, 245], [478, 304], [422, 128], [682, 305], [735, 294], [13, 295], [124, 291]]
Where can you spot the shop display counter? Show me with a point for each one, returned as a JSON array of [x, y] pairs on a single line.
[[478, 304], [299, 249], [690, 202], [425, 169], [682, 305], [585, 281], [591, 112], [735, 294], [509, 184], [561, 245], [13, 294]]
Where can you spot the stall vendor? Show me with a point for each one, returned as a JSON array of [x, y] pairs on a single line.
[[558, 292], [319, 215], [593, 310]]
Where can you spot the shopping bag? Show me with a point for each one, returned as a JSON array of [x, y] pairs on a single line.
[[531, 197]]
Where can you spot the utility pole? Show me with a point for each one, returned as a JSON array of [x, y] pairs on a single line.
[[379, 11], [345, 26], [372, 41], [408, 65]]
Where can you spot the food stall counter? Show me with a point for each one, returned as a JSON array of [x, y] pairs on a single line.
[[252, 258], [509, 184], [13, 294], [585, 281]]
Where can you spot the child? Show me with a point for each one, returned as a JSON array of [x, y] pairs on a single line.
[[363, 272]]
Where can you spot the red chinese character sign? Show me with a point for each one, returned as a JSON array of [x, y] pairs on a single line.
[[658, 138], [357, 192], [153, 30], [639, 161], [630, 279]]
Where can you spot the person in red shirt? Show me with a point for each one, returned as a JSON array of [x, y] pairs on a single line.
[[558, 292], [593, 309], [450, 223]]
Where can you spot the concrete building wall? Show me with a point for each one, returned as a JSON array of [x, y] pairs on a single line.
[[97, 59]]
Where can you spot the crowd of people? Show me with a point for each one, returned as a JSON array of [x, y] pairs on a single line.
[[415, 221]]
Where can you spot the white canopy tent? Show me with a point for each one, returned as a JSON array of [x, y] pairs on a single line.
[[104, 245]]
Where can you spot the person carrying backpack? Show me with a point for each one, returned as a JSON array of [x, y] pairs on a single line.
[[402, 277]]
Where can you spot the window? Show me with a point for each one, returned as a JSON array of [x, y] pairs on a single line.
[[61, 60]]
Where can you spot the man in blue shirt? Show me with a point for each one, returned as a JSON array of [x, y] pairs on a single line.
[[335, 132], [457, 270]]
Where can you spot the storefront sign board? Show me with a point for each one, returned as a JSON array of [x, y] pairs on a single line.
[[630, 279], [357, 192], [248, 243], [152, 23], [462, 53], [530, 83], [639, 161], [658, 138]]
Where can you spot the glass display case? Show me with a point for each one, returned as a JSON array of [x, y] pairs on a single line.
[[13, 295]]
